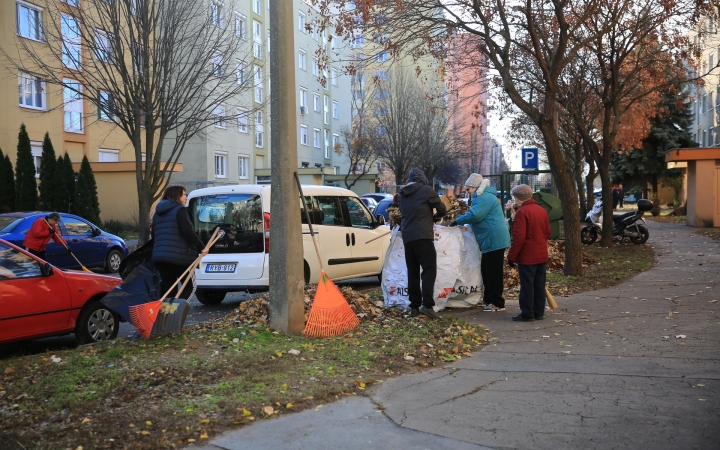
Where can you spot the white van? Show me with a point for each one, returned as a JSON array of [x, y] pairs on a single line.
[[239, 260]]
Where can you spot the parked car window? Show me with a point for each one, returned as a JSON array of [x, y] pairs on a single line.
[[76, 227], [330, 207], [9, 223], [382, 207], [316, 214], [239, 215], [14, 264], [360, 217]]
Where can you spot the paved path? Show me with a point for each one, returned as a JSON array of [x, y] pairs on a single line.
[[632, 366]]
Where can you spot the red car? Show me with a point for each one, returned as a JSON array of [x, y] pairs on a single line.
[[38, 300]]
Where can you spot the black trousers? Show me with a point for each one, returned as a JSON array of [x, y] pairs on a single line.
[[532, 290], [492, 269], [36, 253], [421, 253], [169, 273]]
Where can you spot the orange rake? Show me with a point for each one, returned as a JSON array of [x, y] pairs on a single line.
[[330, 314]]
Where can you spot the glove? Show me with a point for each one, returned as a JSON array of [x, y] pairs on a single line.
[[511, 263], [51, 230], [453, 223], [437, 218]]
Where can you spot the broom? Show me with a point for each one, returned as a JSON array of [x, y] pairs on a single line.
[[330, 314], [143, 316], [85, 269], [551, 300]]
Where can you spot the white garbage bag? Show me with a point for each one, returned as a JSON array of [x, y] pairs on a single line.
[[458, 283]]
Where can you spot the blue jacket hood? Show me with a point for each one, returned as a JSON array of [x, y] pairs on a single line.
[[165, 206]]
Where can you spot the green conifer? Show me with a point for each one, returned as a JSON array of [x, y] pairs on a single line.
[[7, 184], [48, 176], [66, 184], [87, 205], [26, 196]]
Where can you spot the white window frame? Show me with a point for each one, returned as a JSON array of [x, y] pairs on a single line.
[[316, 138], [221, 164], [36, 150], [259, 130], [327, 143], [326, 110], [316, 103], [381, 56], [316, 67], [334, 76], [103, 46], [216, 13], [34, 25], [257, 7], [240, 72], [257, 39], [107, 152], [37, 86], [335, 140], [302, 60], [219, 117], [315, 34], [336, 109], [242, 120], [217, 66], [303, 97], [304, 135], [105, 114], [71, 50], [258, 82], [243, 167], [73, 110], [240, 26], [302, 21]]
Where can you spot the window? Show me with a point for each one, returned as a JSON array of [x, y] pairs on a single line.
[[18, 265], [315, 35], [327, 143], [316, 102], [382, 93], [240, 26], [326, 109], [242, 120], [360, 217], [316, 138], [243, 166], [301, 22], [217, 65], [333, 44], [711, 61], [304, 134], [303, 97], [358, 94], [258, 77], [220, 164], [36, 149], [105, 102], [29, 21], [216, 14], [70, 41], [381, 57], [107, 155], [336, 142], [331, 211], [219, 117], [257, 7], [358, 77], [357, 41], [31, 91], [75, 3], [103, 46], [257, 40], [382, 75], [381, 130], [381, 112], [259, 129], [334, 76], [336, 110], [316, 68], [240, 72], [72, 96], [302, 59]]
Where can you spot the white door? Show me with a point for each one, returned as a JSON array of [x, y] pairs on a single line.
[[333, 237], [367, 256]]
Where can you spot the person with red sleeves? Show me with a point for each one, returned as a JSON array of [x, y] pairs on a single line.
[[528, 248], [42, 230]]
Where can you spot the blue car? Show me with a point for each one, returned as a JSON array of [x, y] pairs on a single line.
[[381, 209], [92, 246]]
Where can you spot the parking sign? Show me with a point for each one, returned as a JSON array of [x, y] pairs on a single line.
[[530, 158]]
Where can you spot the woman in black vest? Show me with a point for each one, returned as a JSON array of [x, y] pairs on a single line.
[[176, 243]]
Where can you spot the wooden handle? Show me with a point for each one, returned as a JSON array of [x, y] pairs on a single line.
[[378, 237], [550, 299], [307, 217], [185, 277]]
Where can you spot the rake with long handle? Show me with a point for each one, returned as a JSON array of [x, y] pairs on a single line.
[[85, 269], [307, 217]]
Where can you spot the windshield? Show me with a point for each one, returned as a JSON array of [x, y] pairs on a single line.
[[239, 215], [9, 223], [382, 208]]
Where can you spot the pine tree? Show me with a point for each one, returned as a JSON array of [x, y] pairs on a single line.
[[87, 205], [26, 196], [66, 184], [7, 184], [48, 176]]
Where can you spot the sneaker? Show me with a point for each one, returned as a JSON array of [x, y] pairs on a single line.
[[539, 317], [520, 318], [429, 312], [492, 308], [414, 312]]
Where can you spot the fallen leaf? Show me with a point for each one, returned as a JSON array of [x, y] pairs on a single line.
[[268, 410], [246, 413], [701, 385], [85, 420], [144, 432], [680, 336], [293, 352], [148, 423], [9, 370], [205, 421], [55, 359], [289, 405], [191, 440], [409, 358], [204, 436]]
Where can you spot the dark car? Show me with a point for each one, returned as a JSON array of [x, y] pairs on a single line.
[[378, 196], [381, 209], [92, 246], [369, 202]]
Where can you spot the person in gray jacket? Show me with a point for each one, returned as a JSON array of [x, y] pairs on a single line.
[[417, 201], [176, 245]]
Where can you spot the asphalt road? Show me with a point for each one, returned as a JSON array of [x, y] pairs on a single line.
[[198, 313]]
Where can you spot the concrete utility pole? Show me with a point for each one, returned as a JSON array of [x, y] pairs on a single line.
[[286, 277]]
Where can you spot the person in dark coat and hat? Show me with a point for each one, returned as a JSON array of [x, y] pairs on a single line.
[[417, 201]]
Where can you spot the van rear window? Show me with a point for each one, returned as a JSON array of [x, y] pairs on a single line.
[[239, 215]]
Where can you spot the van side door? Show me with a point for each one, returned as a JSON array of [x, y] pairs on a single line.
[[334, 242], [367, 256]]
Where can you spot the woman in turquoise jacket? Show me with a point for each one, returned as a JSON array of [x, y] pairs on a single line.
[[488, 223]]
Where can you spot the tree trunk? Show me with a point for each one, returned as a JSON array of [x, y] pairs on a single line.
[[607, 225], [578, 179], [144, 204]]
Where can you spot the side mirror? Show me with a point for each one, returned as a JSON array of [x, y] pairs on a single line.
[[46, 270], [96, 232], [380, 220]]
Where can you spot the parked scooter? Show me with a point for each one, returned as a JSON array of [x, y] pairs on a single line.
[[624, 225]]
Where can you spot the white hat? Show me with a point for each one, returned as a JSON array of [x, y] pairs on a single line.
[[474, 180]]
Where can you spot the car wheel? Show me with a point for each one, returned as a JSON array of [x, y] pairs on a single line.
[[210, 297], [113, 261], [96, 323]]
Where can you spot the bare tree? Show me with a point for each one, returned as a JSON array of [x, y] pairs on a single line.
[[158, 69]]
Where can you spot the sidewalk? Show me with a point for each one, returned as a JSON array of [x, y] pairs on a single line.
[[635, 366]]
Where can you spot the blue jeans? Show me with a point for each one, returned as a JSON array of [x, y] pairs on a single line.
[[532, 290]]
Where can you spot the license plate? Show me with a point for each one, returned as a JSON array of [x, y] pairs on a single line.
[[220, 268]]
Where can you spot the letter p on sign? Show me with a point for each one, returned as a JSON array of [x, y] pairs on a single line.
[[530, 158]]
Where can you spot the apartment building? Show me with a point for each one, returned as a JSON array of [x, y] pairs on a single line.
[[235, 149], [706, 106], [75, 125]]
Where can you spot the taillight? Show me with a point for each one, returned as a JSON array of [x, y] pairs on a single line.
[[266, 227]]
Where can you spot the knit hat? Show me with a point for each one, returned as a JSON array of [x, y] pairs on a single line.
[[522, 192], [474, 180], [417, 176]]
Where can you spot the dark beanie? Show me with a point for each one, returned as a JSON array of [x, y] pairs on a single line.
[[417, 176]]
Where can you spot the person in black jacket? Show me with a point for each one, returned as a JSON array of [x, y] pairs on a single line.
[[417, 201], [176, 245]]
